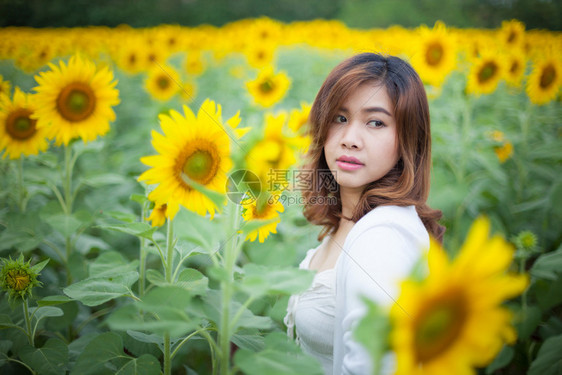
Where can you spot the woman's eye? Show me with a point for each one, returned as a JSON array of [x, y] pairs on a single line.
[[376, 124], [340, 119]]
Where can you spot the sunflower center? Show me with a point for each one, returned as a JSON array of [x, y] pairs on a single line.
[[514, 67], [163, 82], [487, 72], [438, 327], [132, 58], [267, 86], [17, 280], [512, 36], [548, 76], [19, 125], [201, 165], [76, 102], [434, 54]]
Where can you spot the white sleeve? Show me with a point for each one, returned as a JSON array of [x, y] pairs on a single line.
[[376, 262]]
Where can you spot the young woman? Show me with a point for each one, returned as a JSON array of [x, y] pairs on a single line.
[[371, 151]]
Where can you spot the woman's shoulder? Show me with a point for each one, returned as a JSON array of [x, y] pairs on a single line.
[[396, 221]]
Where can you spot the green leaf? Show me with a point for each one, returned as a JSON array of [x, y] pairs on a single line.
[[51, 359], [196, 229], [217, 198], [102, 180], [549, 358], [528, 321], [136, 229], [193, 281], [281, 356], [6, 322], [156, 277], [139, 198], [548, 266], [212, 308], [108, 348], [39, 266], [53, 300], [260, 280], [374, 324], [65, 224], [122, 216], [94, 291], [502, 359], [111, 263], [143, 337], [165, 309], [187, 249], [5, 346], [548, 293], [46, 312], [250, 339]]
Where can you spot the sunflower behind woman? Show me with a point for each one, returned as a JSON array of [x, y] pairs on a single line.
[[192, 149], [486, 72], [545, 79], [18, 131], [269, 87], [75, 100], [454, 318]]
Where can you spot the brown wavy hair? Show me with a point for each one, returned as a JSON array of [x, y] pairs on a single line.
[[407, 183]]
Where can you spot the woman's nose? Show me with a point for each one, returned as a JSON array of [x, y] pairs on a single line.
[[351, 137]]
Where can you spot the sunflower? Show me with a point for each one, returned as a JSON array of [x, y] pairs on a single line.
[[299, 117], [129, 56], [516, 64], [266, 210], [192, 148], [162, 82], [268, 88], [75, 100], [512, 33], [434, 55], [273, 155], [194, 63], [5, 86], [259, 55], [157, 217], [545, 79], [18, 131], [188, 91], [485, 73], [504, 151], [454, 319]]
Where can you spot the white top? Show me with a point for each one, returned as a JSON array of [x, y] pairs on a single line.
[[378, 253], [312, 313]]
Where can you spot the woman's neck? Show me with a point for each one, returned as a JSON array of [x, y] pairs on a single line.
[[349, 199]]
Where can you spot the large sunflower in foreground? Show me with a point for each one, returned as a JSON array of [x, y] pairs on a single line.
[[434, 54], [75, 100], [545, 79], [269, 88], [191, 149], [18, 131], [266, 210], [454, 319]]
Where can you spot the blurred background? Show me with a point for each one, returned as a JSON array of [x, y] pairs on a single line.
[[535, 14]]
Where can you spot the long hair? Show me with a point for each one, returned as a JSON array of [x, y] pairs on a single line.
[[407, 183]]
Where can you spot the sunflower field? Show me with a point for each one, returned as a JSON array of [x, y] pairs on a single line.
[[151, 212]]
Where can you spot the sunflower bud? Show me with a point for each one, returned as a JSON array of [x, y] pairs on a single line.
[[526, 241], [18, 278]]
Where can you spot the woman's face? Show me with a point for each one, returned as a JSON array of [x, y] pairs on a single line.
[[362, 145]]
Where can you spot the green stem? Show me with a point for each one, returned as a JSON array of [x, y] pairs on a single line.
[[67, 183], [23, 364], [142, 256], [28, 323], [524, 295], [21, 185], [227, 291], [168, 275], [213, 347], [167, 354]]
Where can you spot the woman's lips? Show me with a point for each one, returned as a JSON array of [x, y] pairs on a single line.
[[346, 166]]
